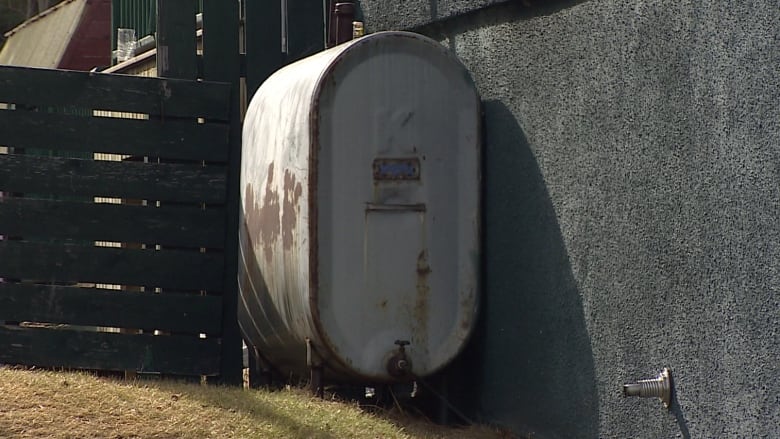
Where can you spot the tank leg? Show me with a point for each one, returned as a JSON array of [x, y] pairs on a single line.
[[315, 370], [259, 371], [267, 377], [317, 389]]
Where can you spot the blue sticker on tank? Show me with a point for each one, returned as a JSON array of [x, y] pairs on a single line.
[[397, 169]]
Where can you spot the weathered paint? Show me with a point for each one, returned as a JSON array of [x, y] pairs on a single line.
[[360, 180]]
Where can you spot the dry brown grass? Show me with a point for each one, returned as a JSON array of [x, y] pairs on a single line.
[[43, 404]]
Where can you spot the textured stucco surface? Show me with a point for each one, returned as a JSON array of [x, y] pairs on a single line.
[[405, 14], [632, 211]]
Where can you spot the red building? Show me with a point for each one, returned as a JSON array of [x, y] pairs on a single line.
[[73, 35]]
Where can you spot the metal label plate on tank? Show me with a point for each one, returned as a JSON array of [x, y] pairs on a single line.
[[397, 169]]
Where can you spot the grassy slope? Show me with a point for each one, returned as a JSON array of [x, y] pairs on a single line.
[[36, 404]]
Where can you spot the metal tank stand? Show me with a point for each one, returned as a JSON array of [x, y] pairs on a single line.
[[316, 366], [260, 373]]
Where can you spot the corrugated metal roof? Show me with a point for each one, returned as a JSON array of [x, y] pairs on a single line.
[[40, 42]]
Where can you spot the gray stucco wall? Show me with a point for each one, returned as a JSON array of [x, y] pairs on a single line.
[[632, 211]]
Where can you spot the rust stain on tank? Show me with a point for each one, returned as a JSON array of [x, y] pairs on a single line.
[[292, 194], [263, 220], [252, 213], [420, 310], [466, 311]]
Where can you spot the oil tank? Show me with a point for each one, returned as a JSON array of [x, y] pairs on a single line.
[[360, 226]]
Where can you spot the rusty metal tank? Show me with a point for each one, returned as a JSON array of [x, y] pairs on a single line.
[[360, 226]]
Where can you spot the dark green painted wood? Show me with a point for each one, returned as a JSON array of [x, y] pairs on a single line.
[[221, 63], [182, 270], [174, 139], [179, 226], [33, 125], [176, 39], [44, 347], [164, 97], [77, 177], [263, 30], [305, 28], [181, 313]]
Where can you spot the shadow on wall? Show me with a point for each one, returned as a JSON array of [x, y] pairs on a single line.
[[530, 362], [679, 416], [495, 12]]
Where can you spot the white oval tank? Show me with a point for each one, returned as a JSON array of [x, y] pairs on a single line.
[[360, 225]]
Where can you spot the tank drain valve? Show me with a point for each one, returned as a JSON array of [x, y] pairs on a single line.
[[658, 387], [399, 365]]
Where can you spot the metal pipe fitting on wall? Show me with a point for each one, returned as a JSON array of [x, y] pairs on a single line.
[[658, 387]]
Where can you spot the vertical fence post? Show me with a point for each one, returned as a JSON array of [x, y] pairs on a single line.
[[176, 57], [305, 28], [221, 62], [305, 35], [263, 30]]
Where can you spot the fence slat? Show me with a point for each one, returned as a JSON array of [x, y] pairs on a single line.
[[182, 313], [221, 62], [182, 270], [163, 97], [174, 226], [44, 347], [79, 177], [172, 139]]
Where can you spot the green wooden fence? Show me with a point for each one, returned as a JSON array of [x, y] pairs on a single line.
[[163, 282], [166, 285]]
